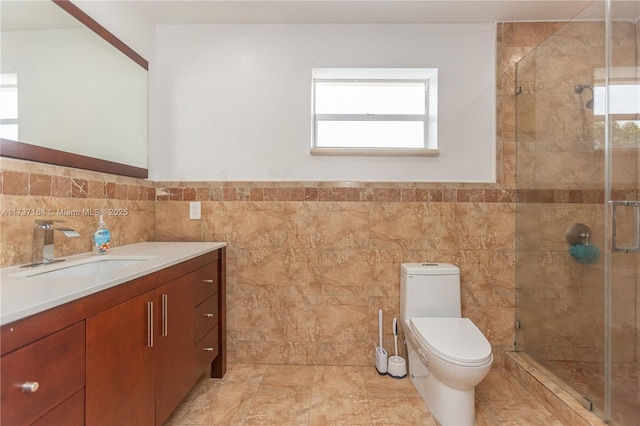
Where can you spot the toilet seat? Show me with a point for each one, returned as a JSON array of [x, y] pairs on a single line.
[[455, 340]]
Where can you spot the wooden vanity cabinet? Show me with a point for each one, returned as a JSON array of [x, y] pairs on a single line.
[[140, 344]]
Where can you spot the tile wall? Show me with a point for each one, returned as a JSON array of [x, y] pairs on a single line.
[[309, 266], [31, 191]]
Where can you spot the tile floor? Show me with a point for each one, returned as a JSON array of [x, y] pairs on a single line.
[[259, 394]]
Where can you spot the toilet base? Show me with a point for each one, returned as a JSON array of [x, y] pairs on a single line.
[[448, 406]]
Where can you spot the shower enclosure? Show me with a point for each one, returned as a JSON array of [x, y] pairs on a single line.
[[578, 208]]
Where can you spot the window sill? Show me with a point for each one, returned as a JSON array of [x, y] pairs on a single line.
[[377, 152]]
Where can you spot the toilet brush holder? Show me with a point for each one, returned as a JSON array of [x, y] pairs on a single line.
[[381, 354], [381, 360], [397, 367]]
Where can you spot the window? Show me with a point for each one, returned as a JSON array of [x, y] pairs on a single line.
[[375, 111], [624, 107], [9, 106]]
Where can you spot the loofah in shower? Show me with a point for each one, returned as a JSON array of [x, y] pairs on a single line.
[[585, 254]]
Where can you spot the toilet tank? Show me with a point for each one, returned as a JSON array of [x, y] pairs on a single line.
[[429, 290]]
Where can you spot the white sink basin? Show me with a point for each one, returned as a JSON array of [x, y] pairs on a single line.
[[90, 267]]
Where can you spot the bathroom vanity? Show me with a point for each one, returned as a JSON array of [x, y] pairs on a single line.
[[115, 339]]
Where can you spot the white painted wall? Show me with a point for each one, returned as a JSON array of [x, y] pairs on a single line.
[[233, 102], [126, 21]]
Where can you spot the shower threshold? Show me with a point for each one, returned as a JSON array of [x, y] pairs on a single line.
[[567, 407]]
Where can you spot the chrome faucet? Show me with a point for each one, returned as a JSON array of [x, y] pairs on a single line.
[[43, 241]]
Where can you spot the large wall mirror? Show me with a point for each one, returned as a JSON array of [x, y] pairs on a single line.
[[72, 94]]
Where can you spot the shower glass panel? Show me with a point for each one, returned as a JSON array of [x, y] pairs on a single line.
[[577, 163], [623, 384]]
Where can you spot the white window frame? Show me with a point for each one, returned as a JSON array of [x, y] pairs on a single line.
[[429, 76]]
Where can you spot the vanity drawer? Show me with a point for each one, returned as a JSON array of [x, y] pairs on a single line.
[[206, 316], [54, 365], [206, 350], [69, 413], [205, 281]]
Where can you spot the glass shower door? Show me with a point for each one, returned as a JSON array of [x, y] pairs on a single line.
[[623, 149], [578, 167], [560, 181]]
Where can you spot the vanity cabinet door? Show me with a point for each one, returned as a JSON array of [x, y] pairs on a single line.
[[174, 343], [39, 377], [120, 383]]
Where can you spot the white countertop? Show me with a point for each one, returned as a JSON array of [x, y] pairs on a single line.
[[22, 296]]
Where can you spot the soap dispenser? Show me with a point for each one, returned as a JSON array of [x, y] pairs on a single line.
[[101, 238]]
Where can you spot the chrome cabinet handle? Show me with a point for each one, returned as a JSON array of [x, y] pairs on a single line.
[[165, 315], [208, 315], [149, 324], [207, 349], [29, 387], [208, 281]]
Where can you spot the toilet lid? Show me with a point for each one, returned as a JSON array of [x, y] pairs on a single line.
[[457, 340]]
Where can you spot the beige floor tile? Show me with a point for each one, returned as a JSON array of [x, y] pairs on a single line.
[[279, 409], [340, 381], [287, 379], [249, 375], [387, 387], [328, 408], [218, 406], [394, 411], [299, 395], [219, 401]]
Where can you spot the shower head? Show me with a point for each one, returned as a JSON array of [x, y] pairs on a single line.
[[579, 88]]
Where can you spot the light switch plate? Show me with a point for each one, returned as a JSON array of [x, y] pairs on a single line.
[[194, 210]]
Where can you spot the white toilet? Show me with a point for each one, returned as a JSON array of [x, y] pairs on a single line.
[[448, 354]]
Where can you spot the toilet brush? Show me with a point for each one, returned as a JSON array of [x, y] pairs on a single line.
[[381, 354], [397, 367]]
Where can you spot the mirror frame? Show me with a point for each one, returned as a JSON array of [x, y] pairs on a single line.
[[25, 151]]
